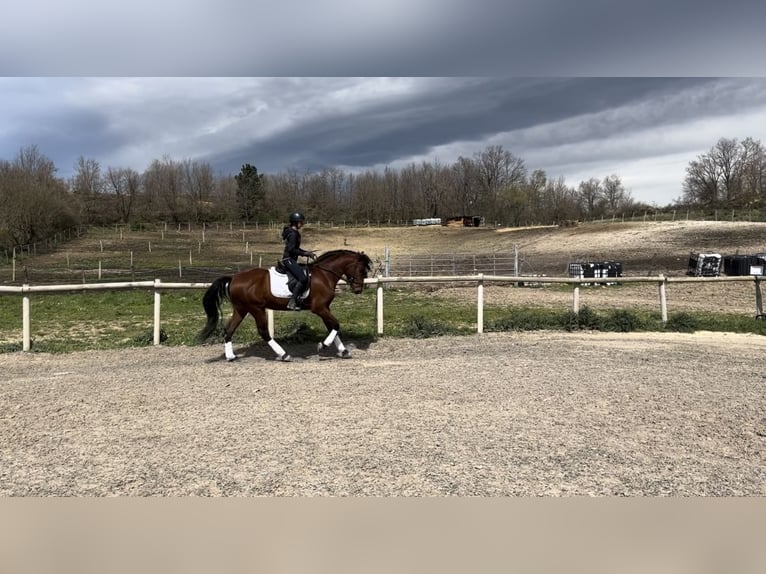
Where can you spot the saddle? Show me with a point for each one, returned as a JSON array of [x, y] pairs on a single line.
[[282, 283]]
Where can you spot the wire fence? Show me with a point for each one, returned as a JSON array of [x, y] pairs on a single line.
[[188, 251], [53, 242], [112, 271]]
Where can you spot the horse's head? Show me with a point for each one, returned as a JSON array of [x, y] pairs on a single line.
[[352, 266], [357, 270]]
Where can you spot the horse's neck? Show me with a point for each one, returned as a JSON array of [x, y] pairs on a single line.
[[336, 268]]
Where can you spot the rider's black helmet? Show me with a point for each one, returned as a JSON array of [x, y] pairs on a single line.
[[296, 217]]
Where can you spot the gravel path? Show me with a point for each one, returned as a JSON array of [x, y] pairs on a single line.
[[541, 414]]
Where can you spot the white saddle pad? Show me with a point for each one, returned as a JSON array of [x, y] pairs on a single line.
[[278, 282]]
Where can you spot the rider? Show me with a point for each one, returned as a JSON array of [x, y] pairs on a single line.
[[291, 235]]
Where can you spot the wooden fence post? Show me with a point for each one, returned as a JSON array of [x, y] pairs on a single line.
[[480, 305], [25, 329], [379, 306], [156, 312], [663, 300], [576, 299], [758, 297]]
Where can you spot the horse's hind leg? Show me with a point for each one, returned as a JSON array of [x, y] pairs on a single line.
[[261, 321], [228, 333]]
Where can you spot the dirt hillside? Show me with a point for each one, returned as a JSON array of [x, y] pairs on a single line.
[[644, 248]]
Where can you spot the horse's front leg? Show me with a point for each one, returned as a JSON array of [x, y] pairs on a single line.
[[333, 328], [261, 321]]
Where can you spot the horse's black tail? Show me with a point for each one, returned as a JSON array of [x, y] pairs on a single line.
[[211, 302]]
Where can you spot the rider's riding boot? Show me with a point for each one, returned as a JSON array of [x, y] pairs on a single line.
[[292, 304]]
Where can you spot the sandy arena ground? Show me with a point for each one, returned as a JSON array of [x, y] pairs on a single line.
[[540, 414]]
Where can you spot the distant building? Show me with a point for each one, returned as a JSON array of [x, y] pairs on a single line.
[[465, 220]]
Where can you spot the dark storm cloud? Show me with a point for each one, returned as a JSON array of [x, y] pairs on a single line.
[[455, 110], [63, 132], [383, 37]]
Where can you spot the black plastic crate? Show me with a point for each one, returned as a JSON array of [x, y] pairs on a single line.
[[704, 264], [735, 265], [595, 269]]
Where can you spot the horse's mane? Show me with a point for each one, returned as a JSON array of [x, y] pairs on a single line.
[[337, 252]]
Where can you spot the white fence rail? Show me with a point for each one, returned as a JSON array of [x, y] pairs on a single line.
[[26, 291]]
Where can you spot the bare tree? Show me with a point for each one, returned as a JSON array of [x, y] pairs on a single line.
[[615, 195], [427, 190], [35, 203], [368, 197], [465, 182], [590, 194], [728, 159], [701, 185], [560, 201], [498, 169], [87, 186], [536, 185], [124, 185], [163, 191], [730, 175], [198, 184], [753, 176], [224, 198]]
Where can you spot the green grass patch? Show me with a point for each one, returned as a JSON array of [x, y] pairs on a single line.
[[120, 319], [622, 321]]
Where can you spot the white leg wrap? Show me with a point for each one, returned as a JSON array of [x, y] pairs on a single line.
[[339, 345], [276, 347], [229, 351], [330, 338]]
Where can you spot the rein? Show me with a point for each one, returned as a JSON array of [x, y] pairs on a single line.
[[339, 276]]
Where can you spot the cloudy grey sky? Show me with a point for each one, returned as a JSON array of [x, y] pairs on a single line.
[[645, 130], [579, 89]]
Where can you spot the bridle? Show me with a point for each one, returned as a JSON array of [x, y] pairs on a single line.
[[344, 276]]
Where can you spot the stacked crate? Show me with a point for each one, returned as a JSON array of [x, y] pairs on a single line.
[[704, 264], [734, 265], [583, 270]]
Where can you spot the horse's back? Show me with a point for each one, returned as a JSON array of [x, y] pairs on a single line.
[[249, 282]]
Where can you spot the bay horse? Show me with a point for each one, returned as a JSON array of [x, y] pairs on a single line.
[[250, 292]]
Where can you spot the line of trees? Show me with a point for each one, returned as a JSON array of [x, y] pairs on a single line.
[[494, 183]]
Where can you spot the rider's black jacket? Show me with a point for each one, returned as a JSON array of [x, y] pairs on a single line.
[[292, 239]]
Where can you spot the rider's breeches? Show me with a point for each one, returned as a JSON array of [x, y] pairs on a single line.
[[297, 272]]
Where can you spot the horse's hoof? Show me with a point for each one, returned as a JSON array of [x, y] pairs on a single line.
[[230, 359], [284, 358], [320, 346], [345, 354]]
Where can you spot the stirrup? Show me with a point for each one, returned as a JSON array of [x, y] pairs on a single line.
[[292, 304]]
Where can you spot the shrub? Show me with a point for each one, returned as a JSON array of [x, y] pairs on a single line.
[[622, 321], [682, 322], [570, 321], [585, 319], [525, 320]]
